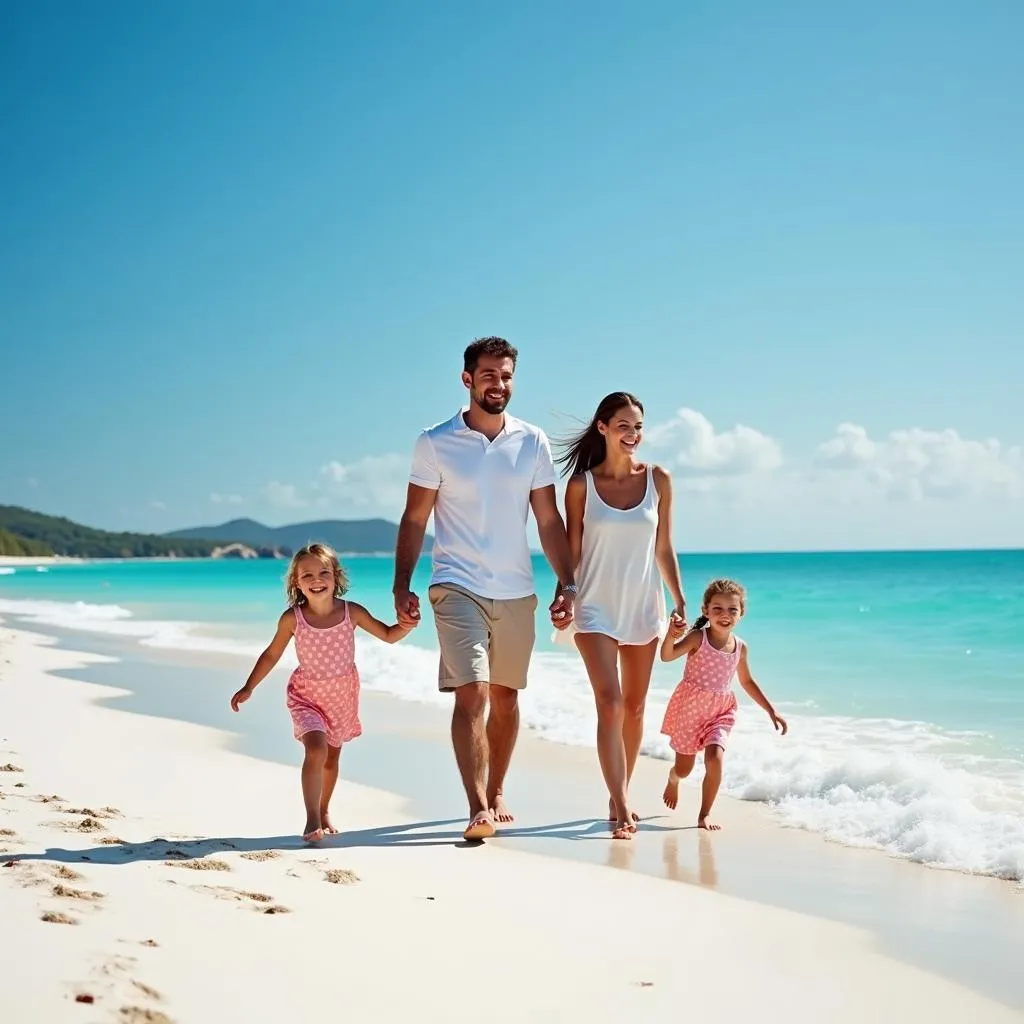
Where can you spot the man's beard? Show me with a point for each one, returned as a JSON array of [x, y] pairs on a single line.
[[492, 406]]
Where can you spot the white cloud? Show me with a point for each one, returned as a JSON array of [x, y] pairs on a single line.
[[226, 499], [374, 485], [741, 495], [284, 495], [918, 464], [694, 447]]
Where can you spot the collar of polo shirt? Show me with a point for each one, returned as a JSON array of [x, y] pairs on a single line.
[[512, 425]]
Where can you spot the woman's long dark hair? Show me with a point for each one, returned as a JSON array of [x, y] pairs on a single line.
[[585, 450]]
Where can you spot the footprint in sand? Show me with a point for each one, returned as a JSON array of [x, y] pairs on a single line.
[[10, 768], [341, 876], [258, 901], [261, 855], [29, 876], [55, 917], [82, 825], [8, 833], [88, 812], [67, 893], [200, 864], [142, 1015]]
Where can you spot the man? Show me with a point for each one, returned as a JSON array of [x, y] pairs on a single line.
[[479, 473]]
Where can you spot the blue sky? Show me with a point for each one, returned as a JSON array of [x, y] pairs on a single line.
[[243, 247]]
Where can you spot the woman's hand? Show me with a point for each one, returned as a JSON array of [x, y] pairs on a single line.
[[779, 722], [677, 622]]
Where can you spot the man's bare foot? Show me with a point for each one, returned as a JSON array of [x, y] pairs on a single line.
[[313, 831], [500, 811], [481, 827], [325, 824], [711, 826], [671, 794], [611, 811]]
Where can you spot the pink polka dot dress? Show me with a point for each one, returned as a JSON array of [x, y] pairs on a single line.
[[323, 692], [702, 709]]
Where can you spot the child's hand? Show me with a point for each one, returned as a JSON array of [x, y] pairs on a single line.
[[677, 625], [240, 698], [780, 723]]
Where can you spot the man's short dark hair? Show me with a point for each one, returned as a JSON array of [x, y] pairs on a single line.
[[488, 347]]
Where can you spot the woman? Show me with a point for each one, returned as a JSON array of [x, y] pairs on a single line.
[[619, 520]]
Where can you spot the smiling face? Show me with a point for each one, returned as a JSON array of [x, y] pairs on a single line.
[[624, 430], [724, 610], [314, 577], [490, 383]]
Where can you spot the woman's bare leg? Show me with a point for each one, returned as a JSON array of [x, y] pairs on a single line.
[[600, 656]]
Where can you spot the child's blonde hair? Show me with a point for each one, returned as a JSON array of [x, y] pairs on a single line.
[[713, 589], [328, 557]]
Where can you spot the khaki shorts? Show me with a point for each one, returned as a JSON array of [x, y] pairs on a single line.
[[482, 640]]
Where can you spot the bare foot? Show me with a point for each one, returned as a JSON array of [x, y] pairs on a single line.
[[703, 822], [624, 828], [611, 812], [481, 827], [313, 831], [325, 824], [500, 811], [671, 794]]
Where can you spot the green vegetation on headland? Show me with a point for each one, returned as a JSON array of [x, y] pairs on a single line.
[[24, 532], [12, 544], [53, 535]]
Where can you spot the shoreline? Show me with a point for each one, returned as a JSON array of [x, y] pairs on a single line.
[[160, 943], [915, 916]]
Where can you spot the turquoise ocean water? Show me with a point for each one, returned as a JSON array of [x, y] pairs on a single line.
[[902, 675]]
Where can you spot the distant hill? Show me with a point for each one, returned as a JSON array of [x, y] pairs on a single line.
[[12, 544], [360, 536], [25, 532], [37, 534]]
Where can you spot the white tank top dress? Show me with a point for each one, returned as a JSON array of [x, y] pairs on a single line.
[[620, 588]]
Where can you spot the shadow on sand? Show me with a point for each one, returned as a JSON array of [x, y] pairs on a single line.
[[422, 833]]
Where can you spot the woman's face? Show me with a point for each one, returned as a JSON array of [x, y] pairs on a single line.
[[624, 430]]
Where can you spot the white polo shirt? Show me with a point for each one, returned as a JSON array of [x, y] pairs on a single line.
[[483, 499]]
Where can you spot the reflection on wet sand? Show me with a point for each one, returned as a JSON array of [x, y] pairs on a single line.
[[706, 874]]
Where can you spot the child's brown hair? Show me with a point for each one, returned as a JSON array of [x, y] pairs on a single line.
[[326, 555]]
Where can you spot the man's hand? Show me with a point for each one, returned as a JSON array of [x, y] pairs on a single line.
[[407, 608], [561, 609]]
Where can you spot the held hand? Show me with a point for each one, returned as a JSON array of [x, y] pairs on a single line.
[[780, 723], [240, 698], [678, 623], [407, 608], [561, 610]]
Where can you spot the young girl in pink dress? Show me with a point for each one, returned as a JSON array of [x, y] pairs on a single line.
[[323, 692], [702, 710]]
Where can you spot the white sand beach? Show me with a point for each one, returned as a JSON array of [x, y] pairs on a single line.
[[23, 561], [150, 873]]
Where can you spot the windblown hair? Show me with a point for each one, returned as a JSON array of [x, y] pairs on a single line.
[[713, 589], [488, 347], [328, 557], [585, 450]]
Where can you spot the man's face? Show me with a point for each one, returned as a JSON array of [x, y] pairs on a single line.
[[490, 384]]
